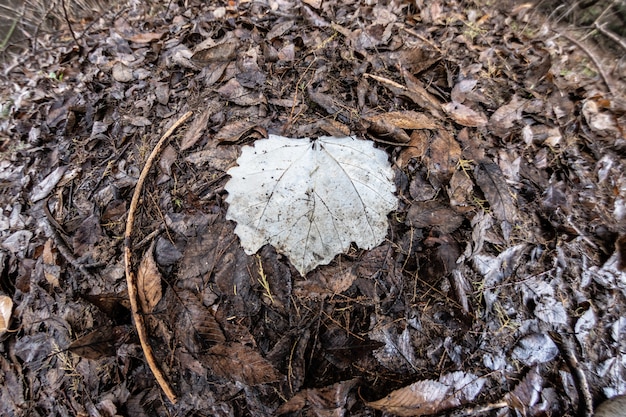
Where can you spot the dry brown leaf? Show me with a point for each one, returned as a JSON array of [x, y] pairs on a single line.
[[235, 92], [51, 270], [242, 363], [6, 308], [431, 397], [433, 214], [442, 157], [327, 401], [490, 179], [149, 282], [316, 4], [237, 130], [101, 342], [406, 119], [222, 52], [196, 129], [145, 37], [503, 119], [464, 115]]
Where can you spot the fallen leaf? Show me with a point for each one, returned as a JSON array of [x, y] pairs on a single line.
[[51, 270], [222, 52], [237, 130], [491, 181], [431, 397], [44, 187], [6, 308], [149, 282], [144, 37], [198, 318], [101, 342], [464, 115], [310, 199], [326, 401], [196, 128], [434, 215], [242, 363], [406, 119], [504, 118], [235, 92]]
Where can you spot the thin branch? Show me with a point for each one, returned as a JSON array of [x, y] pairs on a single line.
[[131, 283], [69, 25], [621, 42], [595, 60]]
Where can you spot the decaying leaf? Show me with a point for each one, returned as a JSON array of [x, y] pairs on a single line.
[[431, 397], [222, 52], [327, 401], [242, 363], [464, 115], [101, 342], [6, 308], [149, 282], [311, 199], [196, 317], [491, 181]]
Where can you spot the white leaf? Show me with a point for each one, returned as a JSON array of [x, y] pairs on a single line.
[[310, 199]]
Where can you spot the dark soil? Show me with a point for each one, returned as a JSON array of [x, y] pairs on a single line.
[[500, 289]]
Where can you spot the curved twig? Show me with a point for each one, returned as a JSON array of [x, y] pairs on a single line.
[[594, 59], [131, 283]]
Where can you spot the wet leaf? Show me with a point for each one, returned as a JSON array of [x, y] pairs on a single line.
[[196, 320], [242, 363], [310, 199], [535, 348], [101, 342], [433, 214], [431, 397], [6, 308], [526, 392], [149, 282], [325, 401]]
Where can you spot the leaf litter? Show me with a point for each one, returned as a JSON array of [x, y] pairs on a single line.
[[501, 237]]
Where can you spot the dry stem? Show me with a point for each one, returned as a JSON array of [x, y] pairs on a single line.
[[130, 276]]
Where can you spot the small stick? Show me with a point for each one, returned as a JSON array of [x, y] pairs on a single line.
[[133, 294], [611, 35]]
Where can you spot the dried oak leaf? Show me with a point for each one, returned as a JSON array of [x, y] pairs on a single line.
[[311, 199], [149, 282], [431, 397], [242, 363]]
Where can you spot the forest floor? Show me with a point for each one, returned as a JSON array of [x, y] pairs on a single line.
[[499, 290]]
